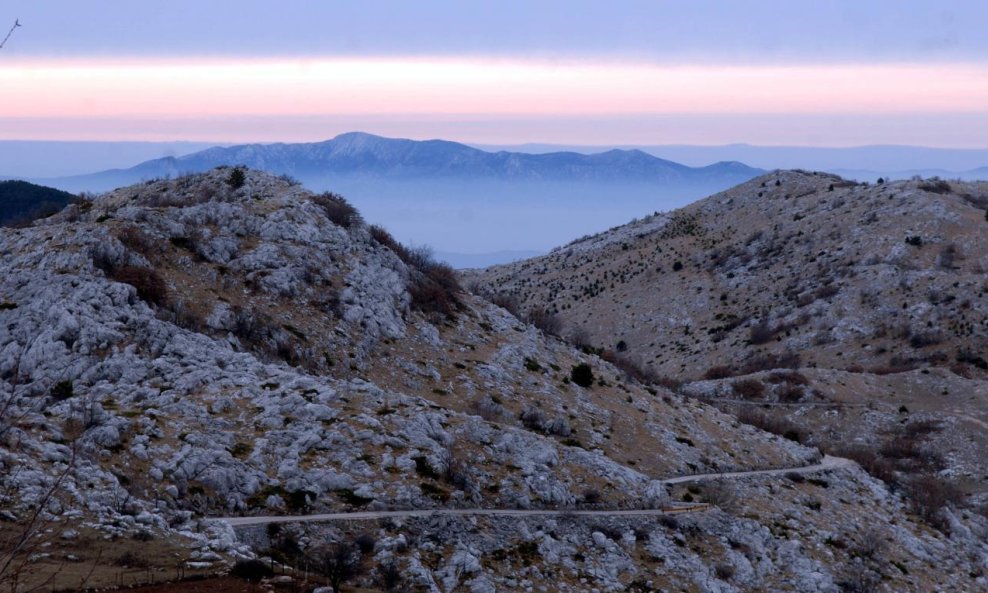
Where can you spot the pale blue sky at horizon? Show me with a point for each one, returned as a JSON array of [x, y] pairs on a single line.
[[703, 72]]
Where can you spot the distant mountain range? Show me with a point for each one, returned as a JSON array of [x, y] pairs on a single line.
[[22, 202], [865, 163], [363, 155], [980, 173], [51, 162]]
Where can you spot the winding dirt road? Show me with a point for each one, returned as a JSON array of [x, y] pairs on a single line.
[[826, 464]]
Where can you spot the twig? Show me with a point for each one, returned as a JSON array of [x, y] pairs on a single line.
[[17, 23]]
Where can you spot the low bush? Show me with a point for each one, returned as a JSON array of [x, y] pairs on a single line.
[[761, 333], [62, 390], [724, 572], [582, 375], [488, 410], [719, 372], [789, 377], [721, 494], [384, 238], [748, 388], [390, 575], [775, 425], [559, 426], [507, 302], [770, 361], [434, 286], [929, 496], [137, 240], [435, 289], [365, 542], [251, 570], [591, 496], [533, 419], [936, 186], [971, 358], [545, 320], [631, 369], [869, 459], [338, 210], [131, 560], [150, 286], [790, 393], [924, 339]]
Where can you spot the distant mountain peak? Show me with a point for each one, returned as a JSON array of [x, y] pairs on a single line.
[[372, 156]]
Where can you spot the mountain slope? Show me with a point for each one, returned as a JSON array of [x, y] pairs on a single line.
[[21, 202], [204, 347], [851, 317], [779, 265]]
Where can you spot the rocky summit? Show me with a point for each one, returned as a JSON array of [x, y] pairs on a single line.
[[192, 368]]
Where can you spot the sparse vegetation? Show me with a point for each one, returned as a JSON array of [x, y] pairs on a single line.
[[544, 320], [749, 388], [936, 185], [435, 289], [150, 286], [339, 562], [338, 210], [434, 286], [251, 571], [770, 423]]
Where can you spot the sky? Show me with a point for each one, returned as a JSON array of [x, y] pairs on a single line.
[[797, 72]]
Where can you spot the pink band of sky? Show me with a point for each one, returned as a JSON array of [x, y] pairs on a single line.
[[47, 90]]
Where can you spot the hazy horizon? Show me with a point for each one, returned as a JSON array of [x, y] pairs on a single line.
[[40, 159]]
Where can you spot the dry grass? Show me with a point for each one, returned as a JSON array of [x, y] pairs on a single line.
[[99, 563]]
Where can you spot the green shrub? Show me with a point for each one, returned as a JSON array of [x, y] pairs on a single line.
[[237, 178], [251, 570], [62, 390], [424, 468], [582, 375]]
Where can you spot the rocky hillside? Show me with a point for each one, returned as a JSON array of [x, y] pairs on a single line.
[[789, 265], [844, 315], [229, 344]]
